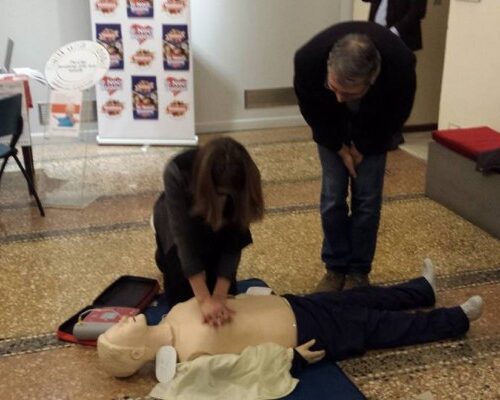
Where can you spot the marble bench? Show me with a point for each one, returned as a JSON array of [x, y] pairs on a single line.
[[453, 180]]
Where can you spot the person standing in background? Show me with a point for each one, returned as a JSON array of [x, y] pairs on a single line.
[[401, 17]]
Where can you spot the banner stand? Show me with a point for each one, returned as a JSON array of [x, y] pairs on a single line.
[[147, 95], [65, 155]]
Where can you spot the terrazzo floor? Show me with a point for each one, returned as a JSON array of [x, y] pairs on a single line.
[[53, 266]]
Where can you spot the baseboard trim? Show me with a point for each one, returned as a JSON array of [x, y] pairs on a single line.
[[139, 141], [249, 124], [420, 128], [264, 123]]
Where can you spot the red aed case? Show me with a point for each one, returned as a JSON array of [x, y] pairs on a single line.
[[127, 291]]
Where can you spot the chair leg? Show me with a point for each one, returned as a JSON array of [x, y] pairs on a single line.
[[31, 186], [4, 163]]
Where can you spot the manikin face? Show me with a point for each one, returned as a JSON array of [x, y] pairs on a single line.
[[345, 93], [129, 332]]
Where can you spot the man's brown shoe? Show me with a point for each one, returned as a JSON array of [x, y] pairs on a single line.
[[332, 281], [356, 280]]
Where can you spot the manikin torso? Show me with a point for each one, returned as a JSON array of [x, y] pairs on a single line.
[[257, 319]]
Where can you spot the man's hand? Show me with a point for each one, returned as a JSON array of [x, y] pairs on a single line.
[[347, 158], [215, 312], [356, 155], [310, 356]]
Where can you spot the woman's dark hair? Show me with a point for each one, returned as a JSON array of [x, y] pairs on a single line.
[[227, 188]]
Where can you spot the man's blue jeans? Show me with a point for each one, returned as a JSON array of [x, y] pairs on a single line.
[[350, 235]]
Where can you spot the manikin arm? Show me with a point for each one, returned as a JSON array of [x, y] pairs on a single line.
[[303, 356]]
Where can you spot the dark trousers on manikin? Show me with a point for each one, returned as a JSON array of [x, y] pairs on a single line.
[[348, 323]]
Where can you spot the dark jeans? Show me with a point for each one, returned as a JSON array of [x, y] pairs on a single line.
[[350, 322], [176, 285], [350, 236]]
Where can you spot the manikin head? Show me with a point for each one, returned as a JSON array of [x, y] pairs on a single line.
[[353, 66], [125, 347]]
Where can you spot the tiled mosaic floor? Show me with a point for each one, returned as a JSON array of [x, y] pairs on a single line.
[[53, 266]]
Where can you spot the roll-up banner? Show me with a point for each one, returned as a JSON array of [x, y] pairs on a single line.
[[146, 97]]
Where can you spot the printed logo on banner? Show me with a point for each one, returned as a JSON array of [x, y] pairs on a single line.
[[174, 7], [177, 108], [140, 8], [106, 6], [176, 85], [175, 47], [111, 84], [110, 36], [144, 97], [141, 33], [143, 58], [112, 108]]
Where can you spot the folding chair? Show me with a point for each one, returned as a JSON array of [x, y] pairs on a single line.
[[11, 124]]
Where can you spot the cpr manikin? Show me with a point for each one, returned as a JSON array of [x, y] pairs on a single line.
[[342, 324]]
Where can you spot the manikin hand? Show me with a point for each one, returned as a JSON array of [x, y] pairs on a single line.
[[348, 160], [215, 312], [356, 155], [310, 356]]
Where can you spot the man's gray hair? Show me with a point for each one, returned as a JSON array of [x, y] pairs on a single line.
[[354, 59]]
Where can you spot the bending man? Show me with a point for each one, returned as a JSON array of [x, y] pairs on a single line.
[[355, 83]]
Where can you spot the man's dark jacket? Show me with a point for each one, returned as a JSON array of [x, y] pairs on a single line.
[[383, 109], [405, 16]]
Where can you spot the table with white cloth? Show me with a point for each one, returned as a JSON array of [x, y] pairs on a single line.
[[12, 84]]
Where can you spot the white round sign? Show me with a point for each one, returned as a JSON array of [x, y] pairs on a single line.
[[77, 65]]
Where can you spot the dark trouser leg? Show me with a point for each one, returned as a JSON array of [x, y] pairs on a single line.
[[366, 202], [351, 330], [385, 329], [405, 296], [336, 248]]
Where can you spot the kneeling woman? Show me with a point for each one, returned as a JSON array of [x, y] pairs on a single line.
[[202, 219]]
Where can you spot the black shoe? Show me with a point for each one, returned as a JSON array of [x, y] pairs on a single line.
[[356, 280], [332, 281]]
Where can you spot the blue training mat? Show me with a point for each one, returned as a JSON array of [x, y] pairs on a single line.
[[322, 381]]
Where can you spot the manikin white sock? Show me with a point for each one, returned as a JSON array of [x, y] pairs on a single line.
[[473, 307], [429, 273]]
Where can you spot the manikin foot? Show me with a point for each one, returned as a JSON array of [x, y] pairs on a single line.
[[473, 307], [429, 274]]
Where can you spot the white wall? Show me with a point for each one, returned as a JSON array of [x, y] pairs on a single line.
[[237, 45], [470, 94], [249, 44], [38, 28]]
